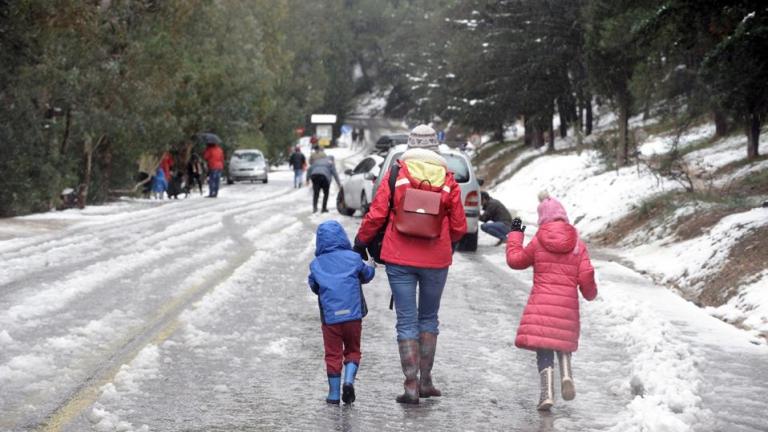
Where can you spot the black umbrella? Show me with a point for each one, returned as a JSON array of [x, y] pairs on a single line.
[[209, 138]]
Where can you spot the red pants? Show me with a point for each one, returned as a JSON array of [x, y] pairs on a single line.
[[342, 345]]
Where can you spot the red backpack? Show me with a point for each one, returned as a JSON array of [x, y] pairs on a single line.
[[420, 213]]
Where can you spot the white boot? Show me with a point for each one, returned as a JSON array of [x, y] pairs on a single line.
[[567, 388], [547, 381]]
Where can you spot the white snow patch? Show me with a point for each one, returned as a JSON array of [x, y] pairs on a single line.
[[692, 260], [749, 307]]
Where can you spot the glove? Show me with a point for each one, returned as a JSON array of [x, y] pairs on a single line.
[[360, 249], [517, 225]]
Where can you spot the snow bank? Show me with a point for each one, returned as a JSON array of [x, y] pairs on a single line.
[[749, 308], [689, 262], [593, 198], [664, 143]]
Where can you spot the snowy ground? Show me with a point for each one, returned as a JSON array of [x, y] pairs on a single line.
[[195, 315]]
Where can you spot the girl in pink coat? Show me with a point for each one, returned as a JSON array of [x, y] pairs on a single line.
[[550, 322]]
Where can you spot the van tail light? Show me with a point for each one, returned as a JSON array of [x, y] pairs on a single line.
[[472, 199]]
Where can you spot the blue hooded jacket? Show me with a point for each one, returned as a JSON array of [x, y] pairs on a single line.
[[336, 275], [158, 181]]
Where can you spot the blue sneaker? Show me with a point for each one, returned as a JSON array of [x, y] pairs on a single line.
[[334, 383], [348, 390]]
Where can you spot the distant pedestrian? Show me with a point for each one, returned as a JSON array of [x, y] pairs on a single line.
[[496, 218], [166, 163], [336, 275], [159, 184], [320, 172], [417, 249], [361, 136], [550, 321], [317, 153], [298, 163], [214, 157], [195, 172], [354, 137]]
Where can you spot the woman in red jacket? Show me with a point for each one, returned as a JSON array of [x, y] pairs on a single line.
[[550, 321], [416, 261]]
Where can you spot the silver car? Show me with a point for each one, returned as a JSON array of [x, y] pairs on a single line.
[[461, 166], [357, 188], [247, 164]]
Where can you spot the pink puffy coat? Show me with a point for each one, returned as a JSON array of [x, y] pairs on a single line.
[[560, 264]]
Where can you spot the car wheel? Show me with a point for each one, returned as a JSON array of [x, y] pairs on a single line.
[[364, 204], [265, 181], [468, 243], [230, 181], [341, 206]]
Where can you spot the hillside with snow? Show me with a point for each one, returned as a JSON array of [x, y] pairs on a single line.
[[707, 244]]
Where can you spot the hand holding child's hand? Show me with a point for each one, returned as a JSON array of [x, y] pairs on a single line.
[[371, 262]]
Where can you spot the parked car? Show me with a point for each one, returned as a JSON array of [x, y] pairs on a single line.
[[461, 166], [247, 164], [355, 193], [385, 142]]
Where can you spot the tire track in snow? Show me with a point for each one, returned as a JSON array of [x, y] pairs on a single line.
[[161, 327]]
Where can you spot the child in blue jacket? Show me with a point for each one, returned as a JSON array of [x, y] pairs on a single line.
[[159, 185], [336, 276]]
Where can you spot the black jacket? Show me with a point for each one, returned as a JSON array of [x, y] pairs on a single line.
[[297, 160], [495, 211]]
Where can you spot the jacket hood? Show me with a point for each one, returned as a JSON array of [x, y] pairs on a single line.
[[331, 237], [558, 237]]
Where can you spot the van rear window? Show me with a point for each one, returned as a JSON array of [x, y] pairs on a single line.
[[248, 157]]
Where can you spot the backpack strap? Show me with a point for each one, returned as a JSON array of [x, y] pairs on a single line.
[[393, 173]]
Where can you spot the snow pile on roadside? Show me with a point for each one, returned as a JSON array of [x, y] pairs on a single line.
[[689, 262], [663, 376], [749, 307]]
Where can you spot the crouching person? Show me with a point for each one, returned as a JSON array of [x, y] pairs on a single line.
[[336, 275], [550, 322]]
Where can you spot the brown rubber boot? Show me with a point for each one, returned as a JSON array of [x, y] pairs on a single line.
[[547, 397], [428, 344], [409, 359], [567, 386]]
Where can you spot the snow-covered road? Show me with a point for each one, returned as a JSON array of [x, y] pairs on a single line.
[[195, 315]]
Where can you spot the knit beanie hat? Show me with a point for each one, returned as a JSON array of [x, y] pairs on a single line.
[[550, 209], [423, 136]]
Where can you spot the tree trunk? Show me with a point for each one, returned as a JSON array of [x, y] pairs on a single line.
[[622, 153], [753, 135], [498, 133], [562, 110], [551, 141], [67, 125], [527, 132], [88, 149], [721, 122], [538, 137], [588, 109]]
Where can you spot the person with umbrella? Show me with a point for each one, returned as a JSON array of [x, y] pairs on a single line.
[[214, 157]]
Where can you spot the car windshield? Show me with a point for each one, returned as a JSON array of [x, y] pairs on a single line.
[[456, 164], [248, 157]]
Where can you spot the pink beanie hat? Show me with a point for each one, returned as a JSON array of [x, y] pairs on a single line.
[[550, 209]]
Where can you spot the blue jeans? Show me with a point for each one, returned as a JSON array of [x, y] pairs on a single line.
[[496, 229], [545, 358], [214, 177], [298, 177], [413, 318]]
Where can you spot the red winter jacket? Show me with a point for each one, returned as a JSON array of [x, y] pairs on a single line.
[[214, 157], [560, 264], [407, 250]]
